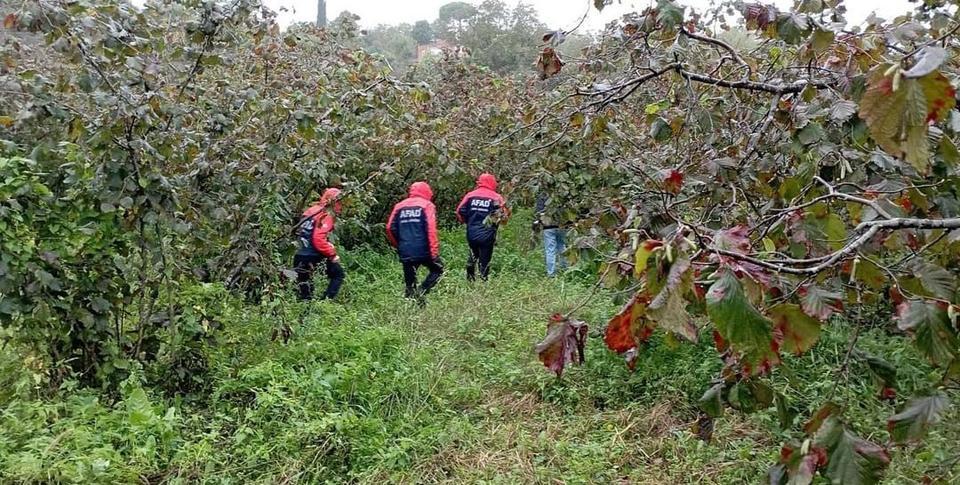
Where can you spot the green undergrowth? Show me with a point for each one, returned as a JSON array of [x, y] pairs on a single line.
[[374, 389]]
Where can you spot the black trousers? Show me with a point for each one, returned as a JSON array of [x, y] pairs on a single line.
[[305, 264], [481, 252], [410, 276]]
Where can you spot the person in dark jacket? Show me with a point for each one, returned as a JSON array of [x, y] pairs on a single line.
[[482, 210], [412, 229], [315, 247], [554, 236]]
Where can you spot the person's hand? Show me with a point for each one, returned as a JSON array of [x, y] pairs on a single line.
[[336, 259]]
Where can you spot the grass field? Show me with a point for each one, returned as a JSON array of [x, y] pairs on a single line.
[[374, 389]]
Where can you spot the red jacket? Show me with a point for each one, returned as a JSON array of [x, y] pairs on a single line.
[[316, 231], [412, 226]]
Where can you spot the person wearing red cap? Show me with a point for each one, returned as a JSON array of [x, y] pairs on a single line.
[[482, 210], [412, 229], [315, 247]]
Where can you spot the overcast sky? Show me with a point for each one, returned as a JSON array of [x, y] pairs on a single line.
[[559, 14]]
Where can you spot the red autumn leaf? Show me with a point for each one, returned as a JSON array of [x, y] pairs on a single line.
[[672, 180], [759, 15], [630, 327], [549, 62], [563, 344], [735, 239]]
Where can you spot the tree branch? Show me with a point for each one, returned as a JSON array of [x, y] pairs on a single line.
[[717, 42]]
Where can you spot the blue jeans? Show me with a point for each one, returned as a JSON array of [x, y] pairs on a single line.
[[554, 243]]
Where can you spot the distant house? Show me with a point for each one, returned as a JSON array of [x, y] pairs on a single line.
[[440, 47]]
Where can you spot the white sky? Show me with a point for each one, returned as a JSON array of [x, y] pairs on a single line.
[[558, 14]]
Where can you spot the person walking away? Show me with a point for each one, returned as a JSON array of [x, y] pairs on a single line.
[[554, 236], [315, 247], [482, 210], [412, 229]]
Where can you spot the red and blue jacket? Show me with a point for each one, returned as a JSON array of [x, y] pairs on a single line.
[[476, 206], [412, 226], [315, 231]]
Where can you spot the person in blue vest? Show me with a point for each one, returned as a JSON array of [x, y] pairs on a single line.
[[412, 229], [316, 249], [481, 210]]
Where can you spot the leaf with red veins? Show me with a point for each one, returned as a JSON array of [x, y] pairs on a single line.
[[563, 344], [735, 239], [795, 330], [820, 303]]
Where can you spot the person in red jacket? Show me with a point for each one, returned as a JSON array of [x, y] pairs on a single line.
[[482, 210], [412, 229], [315, 247]]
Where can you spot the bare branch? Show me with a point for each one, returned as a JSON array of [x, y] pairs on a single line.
[[717, 42]]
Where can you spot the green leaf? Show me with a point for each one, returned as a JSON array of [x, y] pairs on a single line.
[[822, 40], [898, 109], [669, 14], [810, 134], [644, 250], [798, 331], [933, 334], [784, 413], [599, 4], [660, 130], [884, 371], [748, 332], [936, 280], [842, 110], [711, 402], [917, 416], [850, 459], [793, 28]]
